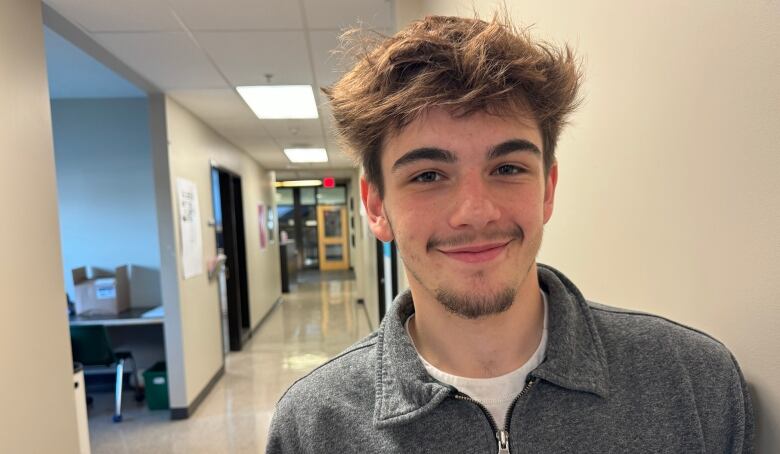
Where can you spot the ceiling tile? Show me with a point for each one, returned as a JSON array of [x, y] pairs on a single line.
[[329, 63], [339, 14], [241, 129], [271, 161], [250, 144], [118, 16], [300, 141], [246, 57], [215, 104], [169, 60], [239, 14], [291, 130], [326, 114], [337, 155]]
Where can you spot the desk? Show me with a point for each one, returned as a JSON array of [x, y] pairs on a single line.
[[127, 318], [130, 330]]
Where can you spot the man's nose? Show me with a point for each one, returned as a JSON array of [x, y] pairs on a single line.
[[473, 204]]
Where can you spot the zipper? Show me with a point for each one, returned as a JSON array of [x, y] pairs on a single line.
[[502, 435]]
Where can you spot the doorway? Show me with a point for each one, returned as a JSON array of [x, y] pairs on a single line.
[[229, 228], [387, 278], [315, 221], [332, 237]]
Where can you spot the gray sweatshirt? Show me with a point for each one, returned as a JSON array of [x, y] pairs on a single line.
[[612, 381]]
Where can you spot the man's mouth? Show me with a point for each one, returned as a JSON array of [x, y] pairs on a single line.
[[476, 253]]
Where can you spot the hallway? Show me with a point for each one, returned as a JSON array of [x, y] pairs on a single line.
[[313, 324]]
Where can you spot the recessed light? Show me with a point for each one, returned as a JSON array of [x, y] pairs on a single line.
[[274, 102], [306, 154], [297, 183]]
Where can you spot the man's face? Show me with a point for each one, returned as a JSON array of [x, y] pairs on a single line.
[[466, 200]]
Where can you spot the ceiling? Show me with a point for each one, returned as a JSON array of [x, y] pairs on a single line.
[[198, 51]]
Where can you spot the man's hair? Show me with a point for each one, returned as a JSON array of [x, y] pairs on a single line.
[[463, 65]]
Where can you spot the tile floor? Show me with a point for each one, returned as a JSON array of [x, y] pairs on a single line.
[[317, 321]]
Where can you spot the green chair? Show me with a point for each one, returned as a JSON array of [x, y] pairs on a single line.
[[91, 347]]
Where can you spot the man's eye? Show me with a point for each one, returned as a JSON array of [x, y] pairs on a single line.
[[427, 177], [508, 169]]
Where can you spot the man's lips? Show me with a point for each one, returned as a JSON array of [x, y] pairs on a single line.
[[476, 253]]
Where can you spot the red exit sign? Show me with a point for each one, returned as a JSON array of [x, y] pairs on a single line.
[[329, 182]]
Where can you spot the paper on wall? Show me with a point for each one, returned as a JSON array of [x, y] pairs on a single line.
[[262, 223], [189, 224]]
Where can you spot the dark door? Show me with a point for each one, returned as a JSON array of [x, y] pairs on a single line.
[[230, 237]]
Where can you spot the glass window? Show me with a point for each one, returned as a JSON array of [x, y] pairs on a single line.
[[334, 252], [284, 196], [332, 223], [311, 253], [307, 196], [332, 196]]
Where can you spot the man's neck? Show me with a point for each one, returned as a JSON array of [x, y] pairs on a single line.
[[479, 348]]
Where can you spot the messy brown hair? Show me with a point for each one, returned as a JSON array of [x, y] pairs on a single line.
[[464, 65]]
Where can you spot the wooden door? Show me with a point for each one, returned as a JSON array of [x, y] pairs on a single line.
[[332, 237]]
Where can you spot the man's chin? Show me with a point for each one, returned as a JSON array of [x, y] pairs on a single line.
[[473, 305]]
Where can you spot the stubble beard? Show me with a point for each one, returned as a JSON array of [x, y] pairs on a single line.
[[474, 306]]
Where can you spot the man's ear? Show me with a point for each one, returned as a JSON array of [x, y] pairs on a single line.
[[549, 191], [377, 218]]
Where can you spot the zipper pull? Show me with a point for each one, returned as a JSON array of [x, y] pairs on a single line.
[[503, 441]]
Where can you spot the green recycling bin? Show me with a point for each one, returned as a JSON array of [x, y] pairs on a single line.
[[156, 383]]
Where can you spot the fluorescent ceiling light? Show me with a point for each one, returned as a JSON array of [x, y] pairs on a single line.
[[306, 154], [280, 101], [297, 183]]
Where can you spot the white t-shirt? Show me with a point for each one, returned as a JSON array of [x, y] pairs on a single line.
[[495, 394]]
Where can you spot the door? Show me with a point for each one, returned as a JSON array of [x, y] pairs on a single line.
[[332, 237], [229, 220]]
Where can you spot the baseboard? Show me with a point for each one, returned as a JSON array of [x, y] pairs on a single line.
[[362, 303], [267, 314], [186, 412]]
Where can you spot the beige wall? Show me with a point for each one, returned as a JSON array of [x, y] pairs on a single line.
[[193, 327], [36, 386], [668, 196], [364, 256]]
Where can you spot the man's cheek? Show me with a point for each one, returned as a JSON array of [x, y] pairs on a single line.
[[407, 252]]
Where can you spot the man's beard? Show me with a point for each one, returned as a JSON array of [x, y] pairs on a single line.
[[472, 306]]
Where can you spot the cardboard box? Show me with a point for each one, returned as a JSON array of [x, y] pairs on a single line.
[[101, 292]]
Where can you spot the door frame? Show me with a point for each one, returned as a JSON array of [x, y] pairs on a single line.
[[230, 236]]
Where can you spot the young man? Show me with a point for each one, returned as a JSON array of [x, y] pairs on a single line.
[[455, 122]]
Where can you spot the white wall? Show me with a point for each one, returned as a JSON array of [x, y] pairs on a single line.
[[106, 190], [668, 196], [364, 255], [37, 407], [193, 330]]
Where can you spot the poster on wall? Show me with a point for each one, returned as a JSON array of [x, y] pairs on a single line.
[[189, 225], [271, 223], [262, 223]]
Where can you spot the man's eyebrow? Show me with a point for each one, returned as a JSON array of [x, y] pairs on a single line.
[[511, 146], [425, 153]]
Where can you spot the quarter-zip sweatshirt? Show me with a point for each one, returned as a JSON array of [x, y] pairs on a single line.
[[612, 381]]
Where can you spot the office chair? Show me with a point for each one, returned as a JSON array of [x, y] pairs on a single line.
[[91, 347]]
